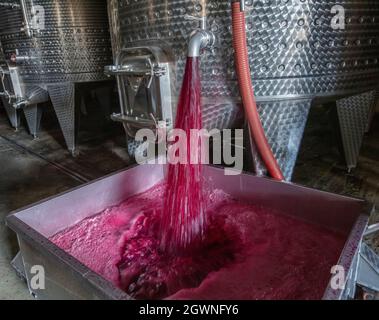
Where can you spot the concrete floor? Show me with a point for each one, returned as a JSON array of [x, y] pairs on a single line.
[[32, 170], [24, 180], [321, 166]]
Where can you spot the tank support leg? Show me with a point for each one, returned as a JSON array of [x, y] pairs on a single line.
[[13, 114], [353, 114], [284, 122], [63, 99], [33, 115]]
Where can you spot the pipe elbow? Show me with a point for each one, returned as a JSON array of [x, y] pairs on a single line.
[[199, 40]]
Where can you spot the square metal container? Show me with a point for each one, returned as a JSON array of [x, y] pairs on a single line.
[[67, 278]]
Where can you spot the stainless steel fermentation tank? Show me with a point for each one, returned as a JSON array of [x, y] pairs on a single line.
[[13, 114], [297, 56], [49, 47]]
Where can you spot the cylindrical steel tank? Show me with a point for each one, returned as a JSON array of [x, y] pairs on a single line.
[[299, 50], [12, 113], [49, 46]]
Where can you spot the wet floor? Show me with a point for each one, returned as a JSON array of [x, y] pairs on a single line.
[[24, 180], [321, 166]]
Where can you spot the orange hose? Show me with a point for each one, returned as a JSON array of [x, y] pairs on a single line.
[[247, 92]]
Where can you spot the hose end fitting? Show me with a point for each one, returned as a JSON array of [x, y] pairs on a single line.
[[242, 4]]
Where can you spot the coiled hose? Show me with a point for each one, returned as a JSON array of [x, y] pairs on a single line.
[[247, 92]]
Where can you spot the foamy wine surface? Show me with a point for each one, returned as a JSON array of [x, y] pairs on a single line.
[[249, 252]]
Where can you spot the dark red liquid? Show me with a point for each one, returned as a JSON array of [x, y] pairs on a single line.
[[183, 219], [248, 252]]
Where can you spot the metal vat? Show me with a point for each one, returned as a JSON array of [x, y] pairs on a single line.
[[67, 278]]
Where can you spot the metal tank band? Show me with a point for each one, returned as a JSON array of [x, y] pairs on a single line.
[[295, 55], [55, 43]]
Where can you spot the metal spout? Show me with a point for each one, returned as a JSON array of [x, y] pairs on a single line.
[[199, 40]]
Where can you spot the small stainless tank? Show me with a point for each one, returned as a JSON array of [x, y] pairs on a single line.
[[300, 51], [49, 46]]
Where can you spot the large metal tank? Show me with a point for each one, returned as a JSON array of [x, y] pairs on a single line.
[[12, 113], [299, 50], [50, 46]]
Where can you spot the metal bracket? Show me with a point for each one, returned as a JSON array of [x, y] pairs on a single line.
[[144, 123], [130, 70], [35, 25], [14, 82], [27, 28], [147, 67], [368, 274]]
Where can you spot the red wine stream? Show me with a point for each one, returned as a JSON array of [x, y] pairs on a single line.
[[183, 220]]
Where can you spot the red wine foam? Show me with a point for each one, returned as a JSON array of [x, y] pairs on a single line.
[[248, 252]]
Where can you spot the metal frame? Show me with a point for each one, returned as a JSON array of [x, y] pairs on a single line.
[[143, 67]]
